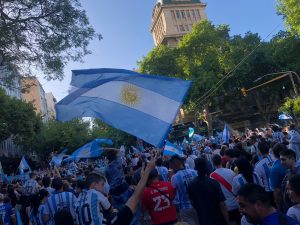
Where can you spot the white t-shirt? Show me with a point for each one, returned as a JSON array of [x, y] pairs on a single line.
[[294, 212], [263, 169], [228, 175]]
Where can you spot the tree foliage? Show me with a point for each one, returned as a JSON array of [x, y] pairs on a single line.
[[44, 33], [291, 106], [208, 54], [290, 9], [18, 120]]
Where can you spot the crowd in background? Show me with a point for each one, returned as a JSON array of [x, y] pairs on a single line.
[[253, 179]]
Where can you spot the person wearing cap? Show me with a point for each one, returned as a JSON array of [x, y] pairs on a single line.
[[158, 198]]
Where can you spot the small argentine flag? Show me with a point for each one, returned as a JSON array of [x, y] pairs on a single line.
[[24, 166], [226, 134], [171, 149]]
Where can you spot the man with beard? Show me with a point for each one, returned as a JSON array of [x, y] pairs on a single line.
[[256, 205]]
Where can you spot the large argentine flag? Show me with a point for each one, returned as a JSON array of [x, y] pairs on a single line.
[[171, 149], [142, 105]]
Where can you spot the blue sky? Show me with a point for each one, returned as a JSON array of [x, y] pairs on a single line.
[[124, 26]]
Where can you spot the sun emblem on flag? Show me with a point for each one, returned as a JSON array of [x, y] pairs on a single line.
[[130, 95]]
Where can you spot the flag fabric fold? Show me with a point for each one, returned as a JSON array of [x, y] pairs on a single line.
[[171, 149], [57, 160], [89, 150], [226, 134], [142, 105]]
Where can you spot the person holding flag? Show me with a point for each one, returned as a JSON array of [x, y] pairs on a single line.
[[24, 167]]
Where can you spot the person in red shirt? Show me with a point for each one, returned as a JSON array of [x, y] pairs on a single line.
[[158, 199]]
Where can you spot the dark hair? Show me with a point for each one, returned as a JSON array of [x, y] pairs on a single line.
[[175, 158], [277, 148], [288, 153], [63, 217], [94, 177], [57, 183], [263, 147], [111, 154], [34, 203], [245, 168], [159, 162], [43, 193], [46, 181], [253, 193], [80, 184], [201, 167], [153, 174], [294, 182], [217, 160], [231, 153], [32, 174]]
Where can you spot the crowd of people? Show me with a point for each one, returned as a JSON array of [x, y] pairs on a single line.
[[253, 179]]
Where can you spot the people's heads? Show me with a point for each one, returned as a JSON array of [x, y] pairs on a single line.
[[245, 168], [153, 177], [253, 139], [293, 188], [112, 154], [217, 160], [43, 194], [189, 151], [159, 162], [46, 182], [95, 181], [32, 175], [253, 201], [263, 148], [57, 184], [288, 158], [277, 148], [230, 154], [201, 167], [80, 185], [176, 162]]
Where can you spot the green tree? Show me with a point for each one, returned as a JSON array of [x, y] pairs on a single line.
[[44, 33], [290, 9], [18, 120], [56, 136]]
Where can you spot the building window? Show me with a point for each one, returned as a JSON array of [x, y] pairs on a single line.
[[183, 14], [173, 15], [198, 13], [193, 13], [181, 27], [188, 14], [178, 14]]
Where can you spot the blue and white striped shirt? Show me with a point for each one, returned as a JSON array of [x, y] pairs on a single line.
[[263, 169], [180, 182], [90, 207], [59, 201]]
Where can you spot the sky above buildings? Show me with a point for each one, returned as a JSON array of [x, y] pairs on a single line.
[[124, 26]]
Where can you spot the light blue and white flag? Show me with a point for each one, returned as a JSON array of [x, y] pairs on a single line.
[[89, 150], [171, 149], [284, 116], [57, 160], [24, 166], [226, 134], [191, 132], [142, 105]]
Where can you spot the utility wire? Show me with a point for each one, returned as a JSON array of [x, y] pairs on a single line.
[[231, 73]]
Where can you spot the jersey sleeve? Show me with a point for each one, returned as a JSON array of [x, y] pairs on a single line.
[[105, 203], [145, 200]]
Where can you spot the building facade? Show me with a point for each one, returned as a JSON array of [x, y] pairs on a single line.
[[172, 19], [34, 93], [51, 101]]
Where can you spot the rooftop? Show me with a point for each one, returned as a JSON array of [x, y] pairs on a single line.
[[164, 2]]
